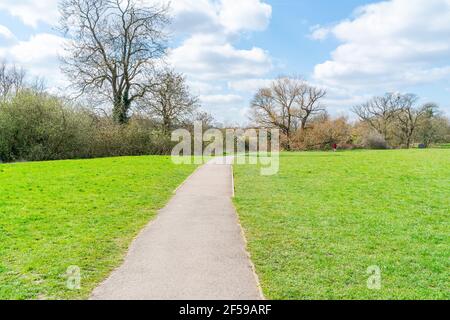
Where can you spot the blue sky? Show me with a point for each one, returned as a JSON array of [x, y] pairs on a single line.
[[229, 48]]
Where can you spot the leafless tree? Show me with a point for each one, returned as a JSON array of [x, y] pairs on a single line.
[[309, 103], [205, 118], [170, 101], [434, 127], [380, 113], [12, 80], [287, 104], [113, 47], [409, 119]]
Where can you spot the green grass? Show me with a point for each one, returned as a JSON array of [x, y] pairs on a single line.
[[316, 227], [443, 146], [84, 213]]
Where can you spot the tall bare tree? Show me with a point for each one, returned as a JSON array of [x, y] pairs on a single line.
[[287, 104], [309, 103], [410, 118], [170, 101], [113, 47], [380, 113], [12, 80], [434, 127]]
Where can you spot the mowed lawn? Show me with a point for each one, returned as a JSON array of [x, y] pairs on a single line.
[[81, 213], [315, 228]]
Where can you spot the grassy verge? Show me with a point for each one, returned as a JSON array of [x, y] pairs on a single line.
[[316, 227], [83, 213]]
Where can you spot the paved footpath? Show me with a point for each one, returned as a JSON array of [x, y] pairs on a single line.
[[193, 250]]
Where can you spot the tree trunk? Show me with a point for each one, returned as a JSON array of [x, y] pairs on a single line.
[[288, 137], [167, 125], [303, 125], [120, 109]]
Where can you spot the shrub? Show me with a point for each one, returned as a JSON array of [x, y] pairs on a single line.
[[323, 133], [36, 126], [375, 141]]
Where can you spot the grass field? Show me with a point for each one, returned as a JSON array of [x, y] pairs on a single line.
[[315, 228], [83, 213]]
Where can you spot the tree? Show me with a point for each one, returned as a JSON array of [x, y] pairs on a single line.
[[381, 112], [170, 100], [113, 48], [409, 119], [325, 132], [12, 80], [309, 104], [433, 127], [287, 104], [205, 118]]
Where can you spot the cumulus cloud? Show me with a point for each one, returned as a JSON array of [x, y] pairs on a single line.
[[207, 57], [39, 55], [393, 43], [224, 16], [31, 12], [252, 15], [202, 87], [207, 53], [226, 108], [319, 33], [221, 99], [249, 85]]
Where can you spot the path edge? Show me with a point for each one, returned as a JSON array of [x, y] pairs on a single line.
[[139, 233], [244, 238]]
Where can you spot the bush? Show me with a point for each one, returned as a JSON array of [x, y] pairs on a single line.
[[323, 133], [33, 127], [374, 141], [36, 126]]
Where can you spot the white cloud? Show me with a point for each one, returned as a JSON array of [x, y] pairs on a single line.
[[5, 33], [31, 12], [202, 87], [39, 48], [249, 85], [226, 108], [221, 99], [319, 33], [208, 52], [39, 56], [252, 15], [227, 16], [389, 44], [207, 57]]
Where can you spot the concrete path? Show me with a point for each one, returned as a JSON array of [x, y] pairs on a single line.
[[193, 250]]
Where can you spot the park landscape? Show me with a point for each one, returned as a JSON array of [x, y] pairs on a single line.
[[88, 179]]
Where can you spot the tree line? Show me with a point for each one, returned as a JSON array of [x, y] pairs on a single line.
[[393, 120]]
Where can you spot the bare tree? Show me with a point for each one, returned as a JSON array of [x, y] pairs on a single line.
[[12, 80], [381, 112], [433, 126], [113, 47], [309, 104], [410, 118], [170, 100], [287, 104]]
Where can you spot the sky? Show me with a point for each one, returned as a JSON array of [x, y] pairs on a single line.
[[229, 48]]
